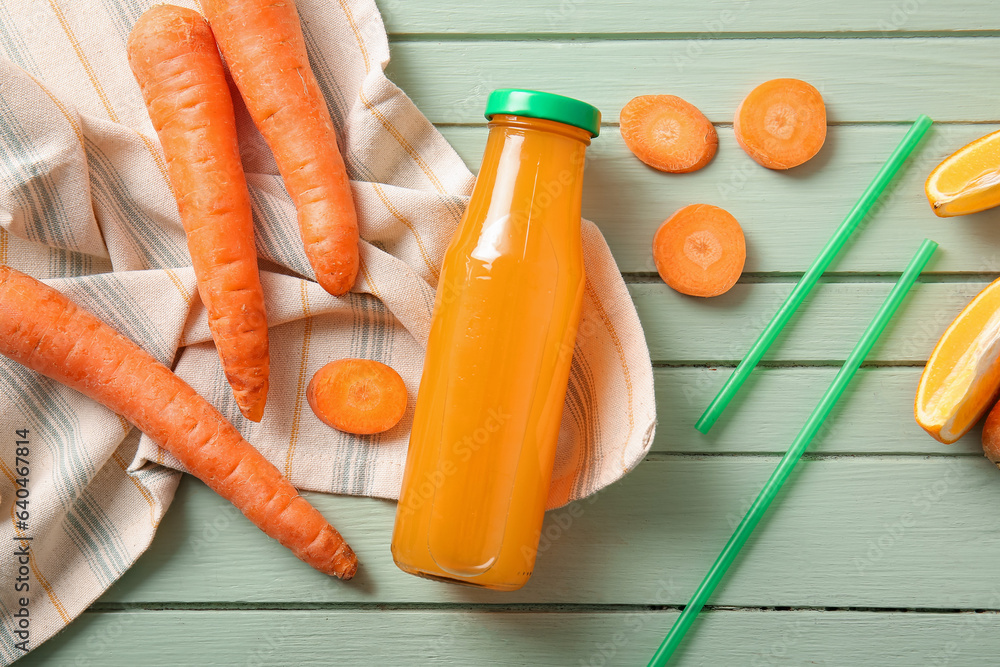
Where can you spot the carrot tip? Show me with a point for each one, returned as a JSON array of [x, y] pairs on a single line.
[[287, 105], [254, 412], [114, 371], [336, 284], [346, 563], [174, 57]]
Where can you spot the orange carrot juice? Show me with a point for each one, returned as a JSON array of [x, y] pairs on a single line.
[[498, 358]]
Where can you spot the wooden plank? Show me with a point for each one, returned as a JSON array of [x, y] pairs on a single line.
[[681, 329], [875, 416], [786, 216], [421, 637], [862, 80], [896, 532], [705, 19]]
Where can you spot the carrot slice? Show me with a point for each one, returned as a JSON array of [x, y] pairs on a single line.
[[47, 332], [668, 133], [265, 49], [700, 250], [177, 64], [781, 123], [358, 396]]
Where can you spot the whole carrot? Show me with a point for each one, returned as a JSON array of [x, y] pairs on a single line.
[[175, 59], [262, 42], [48, 333]]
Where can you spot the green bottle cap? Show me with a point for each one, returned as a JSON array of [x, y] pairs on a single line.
[[536, 104]]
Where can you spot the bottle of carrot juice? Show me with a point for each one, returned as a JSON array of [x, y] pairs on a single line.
[[498, 358]]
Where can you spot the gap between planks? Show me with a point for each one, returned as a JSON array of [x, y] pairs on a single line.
[[781, 365], [729, 126], [402, 37], [443, 607], [748, 278], [810, 456]]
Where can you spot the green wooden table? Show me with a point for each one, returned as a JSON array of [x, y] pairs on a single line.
[[881, 550]]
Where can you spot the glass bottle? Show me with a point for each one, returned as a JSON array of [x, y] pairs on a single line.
[[491, 397]]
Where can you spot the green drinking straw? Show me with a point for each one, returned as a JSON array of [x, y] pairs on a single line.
[[792, 456], [808, 280]]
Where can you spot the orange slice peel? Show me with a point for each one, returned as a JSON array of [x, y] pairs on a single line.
[[962, 377], [968, 181]]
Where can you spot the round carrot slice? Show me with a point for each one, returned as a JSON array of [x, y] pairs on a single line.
[[668, 133], [358, 396], [700, 250], [781, 123]]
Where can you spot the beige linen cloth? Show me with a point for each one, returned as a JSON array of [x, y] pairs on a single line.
[[85, 204]]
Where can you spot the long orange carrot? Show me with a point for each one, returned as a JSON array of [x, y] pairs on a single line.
[[177, 64], [48, 333], [262, 42]]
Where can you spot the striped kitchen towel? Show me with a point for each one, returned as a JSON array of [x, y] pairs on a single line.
[[85, 204]]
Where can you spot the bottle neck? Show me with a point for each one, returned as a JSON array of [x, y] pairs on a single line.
[[540, 125], [532, 172], [554, 153]]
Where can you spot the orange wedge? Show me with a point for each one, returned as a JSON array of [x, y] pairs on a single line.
[[962, 378], [968, 181]]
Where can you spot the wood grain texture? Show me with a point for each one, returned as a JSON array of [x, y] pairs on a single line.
[[683, 329], [786, 216], [862, 80], [707, 19], [878, 518], [895, 532], [874, 417], [419, 638]]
